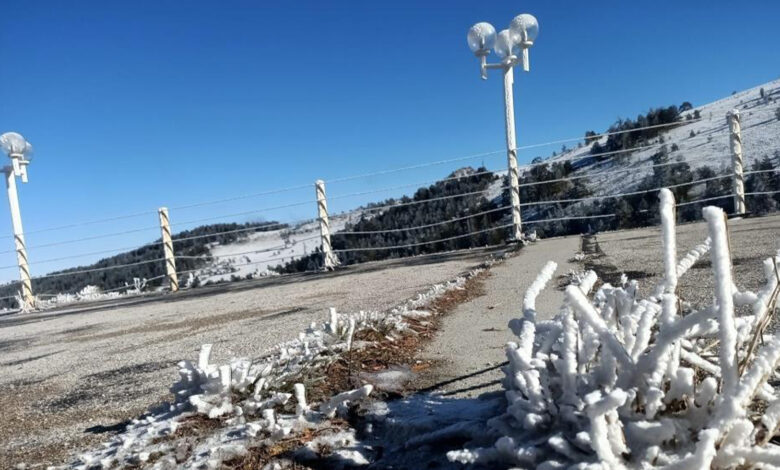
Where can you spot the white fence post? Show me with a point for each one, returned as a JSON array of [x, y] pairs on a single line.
[[28, 300], [735, 127], [329, 260], [511, 153], [170, 260]]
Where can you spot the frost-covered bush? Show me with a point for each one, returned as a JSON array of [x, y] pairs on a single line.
[[618, 381], [252, 400]]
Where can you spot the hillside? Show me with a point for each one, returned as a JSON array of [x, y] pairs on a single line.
[[673, 147], [697, 148], [192, 246]]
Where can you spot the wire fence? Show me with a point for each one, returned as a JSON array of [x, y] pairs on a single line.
[[486, 210]]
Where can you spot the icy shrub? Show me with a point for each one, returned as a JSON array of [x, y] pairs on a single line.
[[261, 401], [617, 381]]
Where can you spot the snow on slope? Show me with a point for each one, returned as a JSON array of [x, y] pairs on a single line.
[[710, 146], [255, 255]]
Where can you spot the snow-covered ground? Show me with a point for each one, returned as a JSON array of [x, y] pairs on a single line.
[[257, 254], [709, 146]]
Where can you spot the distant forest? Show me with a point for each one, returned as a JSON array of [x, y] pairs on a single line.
[[114, 278]]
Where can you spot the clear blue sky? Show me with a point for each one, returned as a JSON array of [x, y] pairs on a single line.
[[135, 105]]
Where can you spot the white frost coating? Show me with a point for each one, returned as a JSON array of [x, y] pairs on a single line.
[[350, 333], [581, 305], [721, 265], [249, 396], [329, 409], [300, 397], [333, 324], [617, 381], [669, 240], [588, 281], [529, 301]]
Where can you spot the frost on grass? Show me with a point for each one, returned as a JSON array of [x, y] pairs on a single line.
[[263, 403], [616, 381]]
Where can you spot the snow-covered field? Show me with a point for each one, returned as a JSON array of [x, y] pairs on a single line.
[[709, 146], [255, 255]]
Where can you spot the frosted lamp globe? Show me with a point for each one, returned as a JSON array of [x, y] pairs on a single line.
[[13, 143], [524, 29], [481, 37], [504, 44]]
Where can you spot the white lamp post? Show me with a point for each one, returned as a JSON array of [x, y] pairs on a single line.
[[19, 151], [520, 36]]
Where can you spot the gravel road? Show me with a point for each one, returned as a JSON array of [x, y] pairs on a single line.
[[67, 377], [470, 345]]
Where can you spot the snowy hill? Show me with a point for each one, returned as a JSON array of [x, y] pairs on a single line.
[[255, 255], [709, 146]]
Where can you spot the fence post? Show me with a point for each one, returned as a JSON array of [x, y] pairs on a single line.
[[329, 260], [735, 140], [170, 260], [511, 153], [28, 299]]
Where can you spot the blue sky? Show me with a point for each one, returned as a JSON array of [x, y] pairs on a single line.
[[135, 105]]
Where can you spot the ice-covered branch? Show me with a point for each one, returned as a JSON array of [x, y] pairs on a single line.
[[617, 381]]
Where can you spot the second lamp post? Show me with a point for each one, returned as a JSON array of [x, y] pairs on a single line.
[[518, 38]]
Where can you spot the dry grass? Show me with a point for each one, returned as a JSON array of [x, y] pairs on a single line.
[[344, 373], [258, 456]]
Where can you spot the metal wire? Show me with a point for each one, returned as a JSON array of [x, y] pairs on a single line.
[[523, 147], [611, 172], [761, 193], [698, 201], [423, 201], [95, 237], [415, 185], [236, 214], [633, 193], [419, 227], [251, 252], [260, 228], [107, 268], [243, 196], [582, 217], [82, 255], [470, 234]]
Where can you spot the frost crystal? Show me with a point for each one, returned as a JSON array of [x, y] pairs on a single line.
[[615, 381]]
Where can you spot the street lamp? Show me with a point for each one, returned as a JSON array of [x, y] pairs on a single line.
[[19, 151], [520, 36]]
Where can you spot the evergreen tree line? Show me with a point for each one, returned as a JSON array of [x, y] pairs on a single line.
[[386, 224], [633, 132], [117, 277]]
